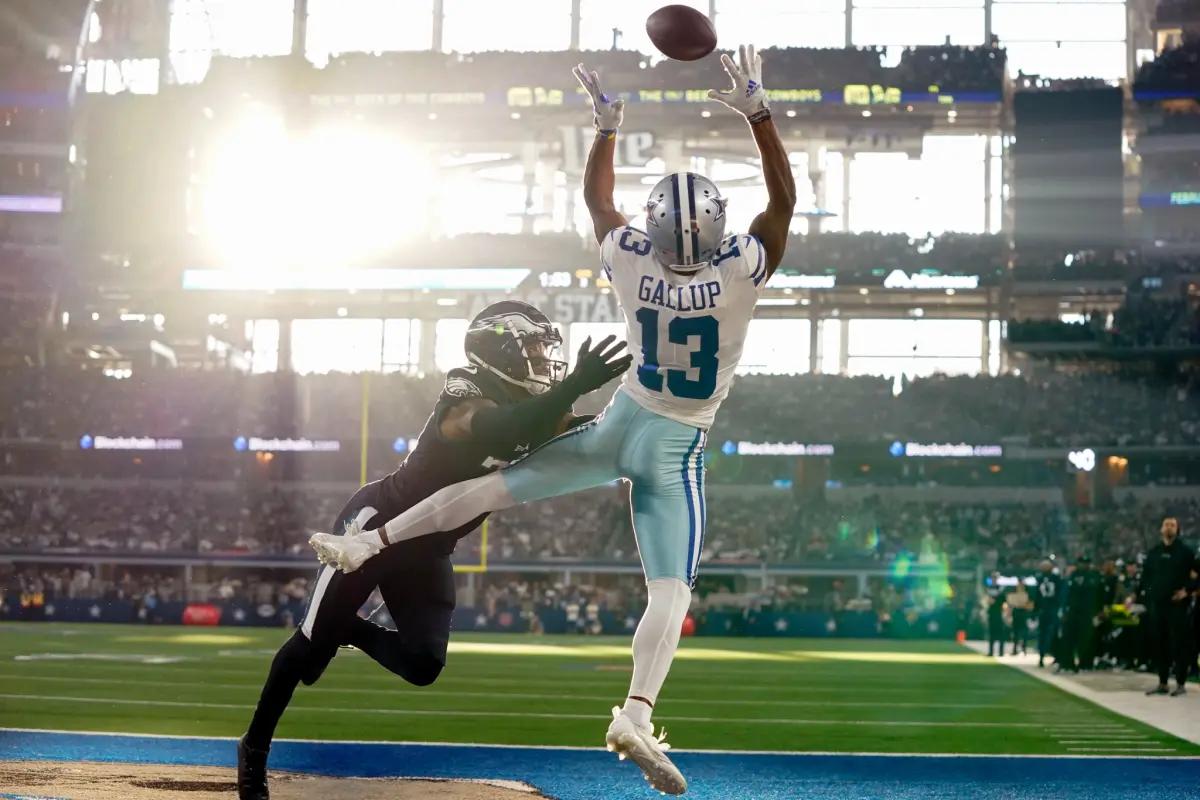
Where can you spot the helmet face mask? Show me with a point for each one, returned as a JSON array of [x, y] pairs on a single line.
[[518, 344], [685, 219], [543, 354]]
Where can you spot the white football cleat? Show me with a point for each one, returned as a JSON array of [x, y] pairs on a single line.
[[627, 739], [347, 552], [326, 545]]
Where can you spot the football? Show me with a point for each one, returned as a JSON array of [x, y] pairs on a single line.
[[681, 32]]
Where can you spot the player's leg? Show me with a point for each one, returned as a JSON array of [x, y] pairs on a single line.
[[1179, 629], [668, 508], [578, 459], [666, 466], [420, 597], [333, 604]]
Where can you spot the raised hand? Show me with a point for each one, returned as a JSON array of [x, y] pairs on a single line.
[[607, 114], [746, 94], [597, 365]]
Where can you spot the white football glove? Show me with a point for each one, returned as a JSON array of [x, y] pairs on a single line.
[[607, 114], [746, 96]]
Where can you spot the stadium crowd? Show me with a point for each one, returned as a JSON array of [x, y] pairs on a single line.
[[1175, 69], [1052, 408], [155, 519], [1143, 320]]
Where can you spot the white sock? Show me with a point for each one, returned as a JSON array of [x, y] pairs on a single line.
[[654, 644], [447, 509]]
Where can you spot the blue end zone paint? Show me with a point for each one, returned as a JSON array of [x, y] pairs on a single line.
[[596, 775]]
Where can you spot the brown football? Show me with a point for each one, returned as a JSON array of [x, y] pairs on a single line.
[[681, 32]]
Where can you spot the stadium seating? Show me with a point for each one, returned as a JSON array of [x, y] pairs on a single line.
[[163, 519], [1042, 408]]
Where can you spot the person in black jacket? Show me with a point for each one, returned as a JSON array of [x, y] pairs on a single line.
[[1083, 604], [1166, 580], [1047, 602], [996, 599]]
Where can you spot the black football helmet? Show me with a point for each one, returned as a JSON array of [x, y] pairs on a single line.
[[517, 343]]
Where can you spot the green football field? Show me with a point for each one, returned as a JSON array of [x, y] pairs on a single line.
[[754, 694]]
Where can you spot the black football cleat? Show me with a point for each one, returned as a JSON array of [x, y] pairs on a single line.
[[252, 773], [1179, 690], [1160, 689]]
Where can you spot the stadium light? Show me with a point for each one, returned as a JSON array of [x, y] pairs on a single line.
[[276, 202]]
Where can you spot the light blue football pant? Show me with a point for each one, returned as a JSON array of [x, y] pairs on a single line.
[[661, 458]]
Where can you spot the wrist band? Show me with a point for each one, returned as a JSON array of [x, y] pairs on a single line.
[[761, 115], [609, 134]]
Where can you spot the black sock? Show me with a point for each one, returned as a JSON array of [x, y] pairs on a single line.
[[286, 671]]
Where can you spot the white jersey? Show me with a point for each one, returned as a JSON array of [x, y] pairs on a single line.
[[686, 332]]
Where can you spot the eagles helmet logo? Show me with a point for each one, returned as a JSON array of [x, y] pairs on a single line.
[[518, 344]]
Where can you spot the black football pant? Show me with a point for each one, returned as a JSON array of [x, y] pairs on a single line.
[[416, 581], [1078, 642], [1020, 632], [1171, 637], [1047, 635], [996, 636]]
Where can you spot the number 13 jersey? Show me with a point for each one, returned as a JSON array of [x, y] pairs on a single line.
[[686, 332]]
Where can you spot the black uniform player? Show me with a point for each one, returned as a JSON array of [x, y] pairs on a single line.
[[1083, 604], [512, 399], [1047, 602], [997, 598]]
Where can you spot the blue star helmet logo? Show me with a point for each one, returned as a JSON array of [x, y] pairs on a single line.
[[729, 448], [400, 445], [240, 444], [86, 441], [897, 449]]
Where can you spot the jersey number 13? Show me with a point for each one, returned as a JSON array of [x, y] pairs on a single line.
[[679, 331]]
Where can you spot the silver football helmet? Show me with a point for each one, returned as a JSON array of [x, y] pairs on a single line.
[[685, 217]]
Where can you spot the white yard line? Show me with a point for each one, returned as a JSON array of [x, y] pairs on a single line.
[[1178, 716], [424, 692], [300, 708], [382, 680], [1122, 750]]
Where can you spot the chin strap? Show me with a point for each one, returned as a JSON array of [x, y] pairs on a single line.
[[532, 387]]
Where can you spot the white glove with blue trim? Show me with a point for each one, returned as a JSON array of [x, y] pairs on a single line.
[[747, 95], [607, 114]]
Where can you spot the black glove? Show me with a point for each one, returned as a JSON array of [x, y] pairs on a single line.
[[534, 420], [596, 366]]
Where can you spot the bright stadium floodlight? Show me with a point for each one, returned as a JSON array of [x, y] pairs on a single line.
[[362, 193], [274, 202], [247, 203]]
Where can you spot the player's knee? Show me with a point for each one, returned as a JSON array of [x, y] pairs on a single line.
[[425, 669], [305, 658], [673, 595]]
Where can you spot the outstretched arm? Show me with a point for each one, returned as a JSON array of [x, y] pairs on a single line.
[[599, 176], [771, 226], [457, 504], [748, 98], [538, 418]]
